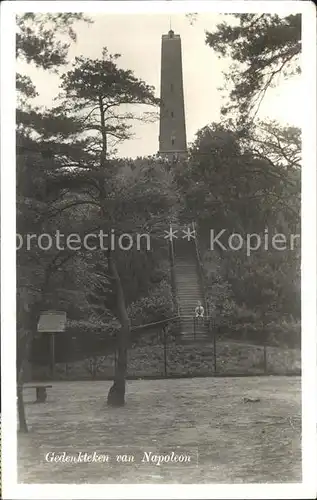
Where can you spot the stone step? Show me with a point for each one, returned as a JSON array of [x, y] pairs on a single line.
[[186, 261], [182, 268], [191, 296], [190, 333], [181, 271], [190, 321], [188, 283], [188, 313], [190, 300], [189, 325], [188, 287], [186, 273], [186, 276], [188, 305], [187, 308], [191, 338], [185, 269], [192, 285], [189, 292], [179, 277]]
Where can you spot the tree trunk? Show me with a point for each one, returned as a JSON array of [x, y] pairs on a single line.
[[116, 395], [24, 349], [103, 131], [21, 412], [29, 320]]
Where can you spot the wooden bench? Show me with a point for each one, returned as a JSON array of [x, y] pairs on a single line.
[[41, 393]]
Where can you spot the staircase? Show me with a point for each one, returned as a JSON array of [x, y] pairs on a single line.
[[188, 291]]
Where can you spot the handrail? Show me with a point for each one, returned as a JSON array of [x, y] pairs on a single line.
[[200, 270], [166, 321], [173, 279]]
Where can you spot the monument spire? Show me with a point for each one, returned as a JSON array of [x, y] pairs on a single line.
[[172, 140]]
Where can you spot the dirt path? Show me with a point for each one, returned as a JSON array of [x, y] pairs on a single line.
[[234, 441]]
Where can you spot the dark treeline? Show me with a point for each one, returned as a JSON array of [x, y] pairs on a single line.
[[242, 176]]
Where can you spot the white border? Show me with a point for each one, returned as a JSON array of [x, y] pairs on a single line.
[[11, 489]]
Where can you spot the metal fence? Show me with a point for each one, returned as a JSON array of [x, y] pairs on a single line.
[[164, 353]]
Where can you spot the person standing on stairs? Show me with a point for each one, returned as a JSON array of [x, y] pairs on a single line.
[[199, 310]]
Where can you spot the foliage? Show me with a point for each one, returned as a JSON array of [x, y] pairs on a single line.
[[146, 361], [220, 298], [279, 145], [262, 47], [246, 182], [158, 305], [94, 364], [38, 43], [250, 327], [231, 181], [284, 332], [38, 37], [242, 179], [96, 94], [85, 186], [266, 281]]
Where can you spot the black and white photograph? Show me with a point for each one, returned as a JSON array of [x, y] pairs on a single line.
[[158, 299]]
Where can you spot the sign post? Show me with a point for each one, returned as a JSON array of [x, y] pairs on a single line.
[[52, 322]]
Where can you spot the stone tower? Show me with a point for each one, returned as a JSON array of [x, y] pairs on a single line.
[[172, 140]]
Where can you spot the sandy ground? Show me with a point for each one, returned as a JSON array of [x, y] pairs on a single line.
[[227, 439]]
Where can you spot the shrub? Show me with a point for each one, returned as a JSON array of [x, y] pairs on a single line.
[[220, 300], [157, 306], [286, 332]]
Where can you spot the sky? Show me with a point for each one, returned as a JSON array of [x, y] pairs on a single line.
[[138, 39]]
